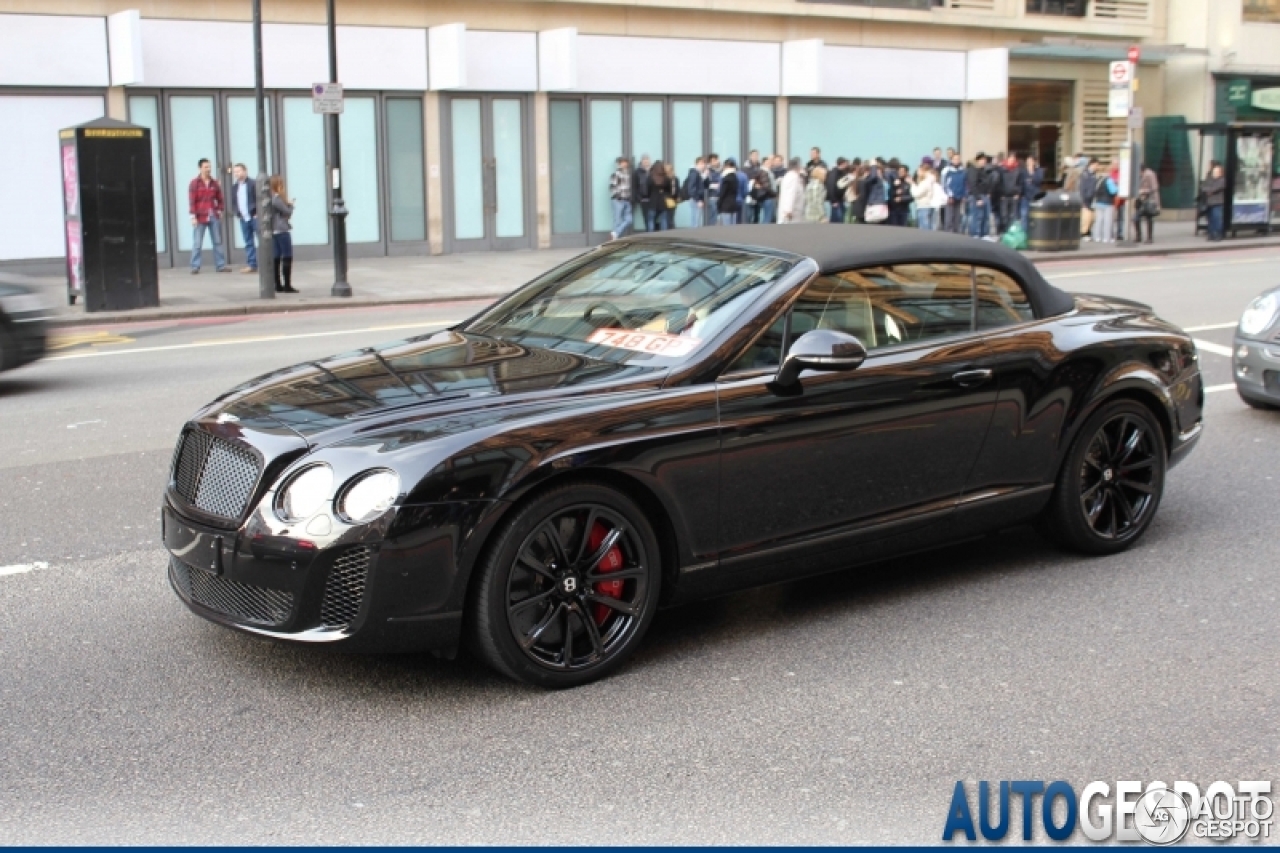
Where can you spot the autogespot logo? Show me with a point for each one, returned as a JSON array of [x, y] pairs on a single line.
[[1156, 813]]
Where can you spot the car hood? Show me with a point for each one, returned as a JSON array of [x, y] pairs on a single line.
[[431, 375]]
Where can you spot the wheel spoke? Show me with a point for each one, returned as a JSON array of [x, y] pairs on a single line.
[[534, 566], [543, 624], [1123, 504], [526, 603], [629, 573], [1114, 515], [1136, 466], [1131, 446], [567, 651], [611, 603], [593, 633], [1096, 511], [1138, 487], [592, 515], [1091, 491], [552, 532], [610, 539]]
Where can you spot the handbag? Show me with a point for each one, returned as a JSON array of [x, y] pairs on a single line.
[[1150, 208], [671, 203], [877, 213]]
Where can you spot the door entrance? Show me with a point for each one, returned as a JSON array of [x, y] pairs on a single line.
[[487, 188]]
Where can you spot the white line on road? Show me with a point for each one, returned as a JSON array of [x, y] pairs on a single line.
[[1214, 389], [262, 340], [1051, 275], [22, 568], [1216, 349], [1211, 327]]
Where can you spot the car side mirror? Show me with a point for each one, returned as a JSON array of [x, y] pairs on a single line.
[[821, 349]]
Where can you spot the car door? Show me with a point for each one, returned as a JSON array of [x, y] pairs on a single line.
[[864, 452]]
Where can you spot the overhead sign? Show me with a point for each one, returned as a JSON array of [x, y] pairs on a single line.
[[326, 98], [1267, 99], [1239, 92], [1121, 72]]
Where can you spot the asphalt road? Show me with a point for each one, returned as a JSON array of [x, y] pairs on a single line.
[[835, 710]]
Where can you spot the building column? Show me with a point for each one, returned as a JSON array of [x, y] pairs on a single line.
[[782, 128], [984, 126], [117, 104], [435, 186], [542, 167]]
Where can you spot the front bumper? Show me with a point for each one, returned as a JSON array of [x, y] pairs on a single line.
[[359, 593], [1256, 367]]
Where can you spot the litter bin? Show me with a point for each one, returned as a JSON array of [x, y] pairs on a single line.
[[1054, 224], [110, 216]]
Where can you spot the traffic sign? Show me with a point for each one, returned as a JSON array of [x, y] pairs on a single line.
[[1119, 102], [1135, 53], [326, 98], [1121, 73]]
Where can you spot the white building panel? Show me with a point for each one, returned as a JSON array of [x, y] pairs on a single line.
[[893, 74], [987, 78], [294, 56], [802, 67], [558, 60], [501, 62], [124, 37], [661, 66], [447, 56], [223, 60], [53, 50], [382, 58], [31, 225]]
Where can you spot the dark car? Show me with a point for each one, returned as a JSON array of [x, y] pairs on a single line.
[[1257, 356], [24, 319], [666, 418]]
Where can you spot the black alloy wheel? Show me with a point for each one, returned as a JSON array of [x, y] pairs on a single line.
[[568, 588], [1112, 481]]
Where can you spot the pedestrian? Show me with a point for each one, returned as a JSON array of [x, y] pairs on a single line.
[[835, 195], [1009, 190], [848, 186], [662, 198], [924, 190], [1214, 191], [727, 205], [979, 182], [874, 189], [205, 197], [281, 238], [1104, 211], [791, 194], [815, 196], [1088, 189], [775, 170], [1032, 186], [640, 190], [759, 196], [899, 180], [244, 190], [815, 160], [744, 187], [953, 185], [620, 196], [1147, 206], [714, 171]]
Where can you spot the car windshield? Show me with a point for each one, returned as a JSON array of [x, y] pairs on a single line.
[[639, 302]]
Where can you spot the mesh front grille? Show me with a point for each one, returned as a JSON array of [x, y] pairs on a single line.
[[344, 590], [214, 475], [248, 603]]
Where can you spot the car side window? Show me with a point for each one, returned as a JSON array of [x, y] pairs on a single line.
[[1002, 301], [908, 302], [766, 352]]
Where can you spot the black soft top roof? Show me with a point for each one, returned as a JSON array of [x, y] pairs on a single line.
[[836, 248]]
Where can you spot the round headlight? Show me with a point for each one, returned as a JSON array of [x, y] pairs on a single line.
[[1259, 314], [304, 495], [369, 495]]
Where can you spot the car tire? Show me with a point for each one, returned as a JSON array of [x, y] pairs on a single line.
[[1255, 403], [554, 607], [1111, 482]]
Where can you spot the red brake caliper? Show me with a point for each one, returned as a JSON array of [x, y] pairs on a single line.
[[610, 562]]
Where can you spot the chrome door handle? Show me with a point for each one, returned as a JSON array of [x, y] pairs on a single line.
[[969, 378]]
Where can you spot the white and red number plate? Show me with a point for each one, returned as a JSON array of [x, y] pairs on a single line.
[[655, 343]]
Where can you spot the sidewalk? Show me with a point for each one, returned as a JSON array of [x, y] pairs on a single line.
[[480, 276]]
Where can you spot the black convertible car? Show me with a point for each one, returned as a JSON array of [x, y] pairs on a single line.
[[669, 417]]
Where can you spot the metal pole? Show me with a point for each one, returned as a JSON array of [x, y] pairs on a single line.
[[266, 251], [338, 211]]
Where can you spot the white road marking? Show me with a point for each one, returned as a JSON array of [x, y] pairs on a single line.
[[82, 423], [1214, 389], [1049, 274], [224, 342], [22, 568], [1211, 327], [1216, 349]]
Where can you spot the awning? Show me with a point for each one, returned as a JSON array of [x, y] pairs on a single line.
[[1102, 51]]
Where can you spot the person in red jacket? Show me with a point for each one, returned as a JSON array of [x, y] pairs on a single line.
[[206, 215]]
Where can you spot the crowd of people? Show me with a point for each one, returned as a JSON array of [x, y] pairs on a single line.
[[983, 198]]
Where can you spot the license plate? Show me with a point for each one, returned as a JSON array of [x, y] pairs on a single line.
[[196, 548]]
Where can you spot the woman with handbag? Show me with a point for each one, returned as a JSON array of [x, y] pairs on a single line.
[[281, 235], [662, 197], [815, 196], [1147, 205]]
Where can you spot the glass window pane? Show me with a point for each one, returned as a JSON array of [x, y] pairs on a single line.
[[687, 146], [886, 306], [905, 132], [726, 130], [304, 165], [508, 156], [192, 129], [646, 129], [145, 110], [566, 167], [760, 129], [242, 133], [358, 131], [468, 169], [404, 160], [1001, 300], [606, 148]]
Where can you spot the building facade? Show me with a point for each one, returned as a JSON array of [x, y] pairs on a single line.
[[495, 125]]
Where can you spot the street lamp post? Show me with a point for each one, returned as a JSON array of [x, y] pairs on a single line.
[[338, 211], [266, 250]]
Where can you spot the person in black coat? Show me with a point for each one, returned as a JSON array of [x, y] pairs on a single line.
[[728, 203], [661, 203]]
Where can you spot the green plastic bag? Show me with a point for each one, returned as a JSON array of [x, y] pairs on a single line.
[[1015, 237]]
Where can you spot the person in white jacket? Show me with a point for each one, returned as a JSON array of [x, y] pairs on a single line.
[[791, 193], [925, 195]]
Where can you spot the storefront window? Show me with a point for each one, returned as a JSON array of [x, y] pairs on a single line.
[[508, 156], [646, 130], [726, 130], [404, 166], [242, 132], [687, 147], [606, 148], [566, 167], [191, 123], [760, 129], [1264, 11], [304, 156], [145, 110], [359, 135]]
